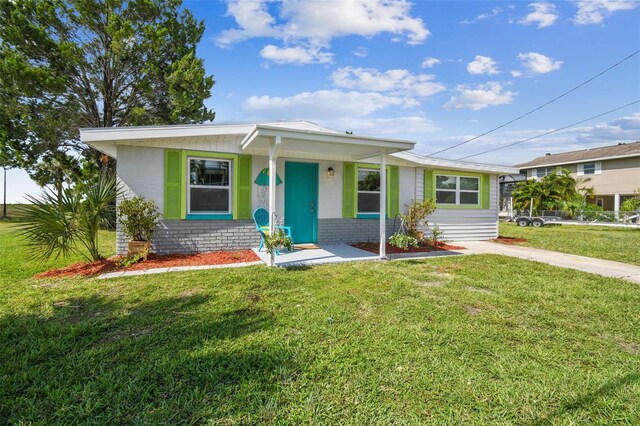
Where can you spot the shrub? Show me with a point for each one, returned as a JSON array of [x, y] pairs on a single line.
[[138, 217], [435, 236], [416, 214], [630, 204], [60, 225]]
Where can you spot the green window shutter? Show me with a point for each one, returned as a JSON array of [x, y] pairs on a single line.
[[486, 191], [393, 191], [243, 189], [349, 190], [428, 185], [172, 184]]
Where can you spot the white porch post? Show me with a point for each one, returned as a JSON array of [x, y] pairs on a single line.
[[273, 156], [616, 205], [383, 206]]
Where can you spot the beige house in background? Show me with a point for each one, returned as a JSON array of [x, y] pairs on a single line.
[[614, 171]]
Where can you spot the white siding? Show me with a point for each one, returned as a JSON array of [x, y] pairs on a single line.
[[464, 224], [141, 172]]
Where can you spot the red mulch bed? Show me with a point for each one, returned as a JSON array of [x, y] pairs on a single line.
[[510, 240], [375, 248], [79, 269]]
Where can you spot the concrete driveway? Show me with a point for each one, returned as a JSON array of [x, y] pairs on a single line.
[[605, 268]]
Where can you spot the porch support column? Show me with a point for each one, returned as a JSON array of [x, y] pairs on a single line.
[[383, 206], [616, 205], [273, 157]]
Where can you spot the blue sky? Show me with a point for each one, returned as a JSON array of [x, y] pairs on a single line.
[[435, 72]]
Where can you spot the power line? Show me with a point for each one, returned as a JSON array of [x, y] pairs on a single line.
[[538, 108], [551, 131]]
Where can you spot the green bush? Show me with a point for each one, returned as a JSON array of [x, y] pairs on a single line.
[[630, 204], [69, 223], [138, 217], [417, 212]]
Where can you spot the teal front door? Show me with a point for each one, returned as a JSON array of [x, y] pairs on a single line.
[[301, 201]]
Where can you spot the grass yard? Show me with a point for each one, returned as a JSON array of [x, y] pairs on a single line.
[[619, 244], [477, 340]]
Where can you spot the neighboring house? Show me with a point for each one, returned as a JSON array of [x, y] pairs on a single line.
[[613, 171], [203, 178]]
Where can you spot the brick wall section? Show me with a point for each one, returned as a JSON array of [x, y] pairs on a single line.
[[190, 236], [333, 231]]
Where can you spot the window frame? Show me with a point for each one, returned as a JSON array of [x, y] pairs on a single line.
[[458, 190], [229, 186], [584, 170], [358, 191]]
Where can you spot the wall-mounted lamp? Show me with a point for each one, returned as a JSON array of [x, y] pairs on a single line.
[[330, 171]]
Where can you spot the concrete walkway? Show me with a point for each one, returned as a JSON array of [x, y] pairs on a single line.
[[119, 274], [605, 268]]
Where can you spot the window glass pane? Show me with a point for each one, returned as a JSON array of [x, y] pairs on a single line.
[[209, 172], [468, 198], [445, 197], [368, 180], [445, 182], [589, 168], [541, 172], [368, 203], [210, 200], [469, 183]]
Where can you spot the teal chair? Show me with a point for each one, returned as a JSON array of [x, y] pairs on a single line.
[[261, 219]]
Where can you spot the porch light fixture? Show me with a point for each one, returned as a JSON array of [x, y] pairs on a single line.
[[330, 172]]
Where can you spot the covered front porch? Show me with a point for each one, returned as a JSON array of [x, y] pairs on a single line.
[[302, 152]]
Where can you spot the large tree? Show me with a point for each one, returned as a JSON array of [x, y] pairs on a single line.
[[67, 64]]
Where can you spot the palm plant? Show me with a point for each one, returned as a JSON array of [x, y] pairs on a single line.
[[59, 224]]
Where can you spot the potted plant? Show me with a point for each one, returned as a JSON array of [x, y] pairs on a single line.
[[272, 243], [138, 218]]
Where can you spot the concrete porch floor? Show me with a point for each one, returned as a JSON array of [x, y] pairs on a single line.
[[330, 253], [335, 253]]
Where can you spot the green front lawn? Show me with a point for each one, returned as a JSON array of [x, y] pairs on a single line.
[[619, 244], [476, 339]]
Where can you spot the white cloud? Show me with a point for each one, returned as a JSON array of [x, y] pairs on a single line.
[[323, 104], [538, 63], [398, 82], [317, 24], [494, 12], [544, 14], [430, 62], [295, 55], [479, 97], [595, 11], [483, 65], [516, 73], [361, 52], [386, 126]]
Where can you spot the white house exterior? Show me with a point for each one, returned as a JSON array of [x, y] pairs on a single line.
[[191, 169]]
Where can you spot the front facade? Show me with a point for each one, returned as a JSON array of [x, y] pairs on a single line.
[[612, 171], [329, 187]]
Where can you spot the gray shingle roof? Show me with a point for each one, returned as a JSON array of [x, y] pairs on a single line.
[[627, 149]]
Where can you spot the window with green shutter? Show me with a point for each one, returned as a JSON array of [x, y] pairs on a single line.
[[206, 185], [361, 191]]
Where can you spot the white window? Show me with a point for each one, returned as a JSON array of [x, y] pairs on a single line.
[[589, 169], [540, 173], [599, 202], [368, 191], [457, 190], [209, 188]]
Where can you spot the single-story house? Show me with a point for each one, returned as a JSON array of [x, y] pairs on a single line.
[[328, 186]]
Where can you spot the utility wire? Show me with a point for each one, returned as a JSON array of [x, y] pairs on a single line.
[[540, 107], [551, 131]]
